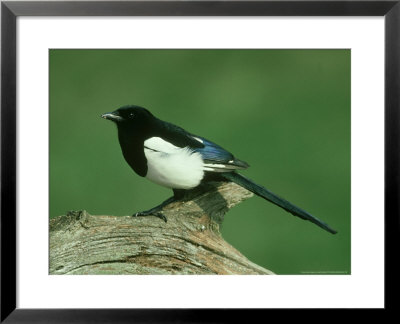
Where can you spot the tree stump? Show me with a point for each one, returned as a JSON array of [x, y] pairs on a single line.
[[189, 243]]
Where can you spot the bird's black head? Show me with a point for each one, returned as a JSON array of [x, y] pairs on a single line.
[[129, 115]]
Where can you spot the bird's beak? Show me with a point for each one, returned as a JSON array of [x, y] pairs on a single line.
[[112, 116]]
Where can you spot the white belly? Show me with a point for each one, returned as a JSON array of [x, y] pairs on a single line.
[[171, 166]]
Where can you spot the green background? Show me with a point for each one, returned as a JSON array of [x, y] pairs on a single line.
[[285, 112]]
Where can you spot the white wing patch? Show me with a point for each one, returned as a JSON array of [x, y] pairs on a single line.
[[171, 166], [198, 139], [158, 144], [214, 167]]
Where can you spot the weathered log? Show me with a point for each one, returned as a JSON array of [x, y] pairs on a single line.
[[189, 243]]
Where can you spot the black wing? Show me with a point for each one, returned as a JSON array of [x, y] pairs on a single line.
[[178, 136], [216, 158]]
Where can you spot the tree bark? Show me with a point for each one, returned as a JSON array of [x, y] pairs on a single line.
[[189, 243]]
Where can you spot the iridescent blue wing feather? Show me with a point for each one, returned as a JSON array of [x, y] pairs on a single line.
[[216, 158]]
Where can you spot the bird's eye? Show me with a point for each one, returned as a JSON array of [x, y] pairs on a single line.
[[131, 115]]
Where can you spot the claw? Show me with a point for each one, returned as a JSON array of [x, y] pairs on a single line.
[[155, 214], [161, 216], [156, 211]]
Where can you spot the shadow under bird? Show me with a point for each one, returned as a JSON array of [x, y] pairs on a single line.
[[174, 158]]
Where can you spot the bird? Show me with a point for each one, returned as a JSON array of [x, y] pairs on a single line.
[[174, 158]]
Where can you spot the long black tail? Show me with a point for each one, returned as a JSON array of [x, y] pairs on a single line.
[[268, 195]]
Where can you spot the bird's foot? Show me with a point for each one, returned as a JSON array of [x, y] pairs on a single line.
[[156, 211], [151, 213]]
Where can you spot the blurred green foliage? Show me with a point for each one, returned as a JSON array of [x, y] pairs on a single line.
[[285, 112]]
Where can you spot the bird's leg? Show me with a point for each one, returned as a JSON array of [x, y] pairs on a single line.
[[156, 211]]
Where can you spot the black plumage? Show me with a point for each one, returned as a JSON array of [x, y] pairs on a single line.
[[169, 155]]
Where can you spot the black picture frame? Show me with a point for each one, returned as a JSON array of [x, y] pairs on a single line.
[[10, 10]]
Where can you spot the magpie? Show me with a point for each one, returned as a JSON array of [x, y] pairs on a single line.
[[170, 156]]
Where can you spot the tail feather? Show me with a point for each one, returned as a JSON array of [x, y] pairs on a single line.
[[268, 195]]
